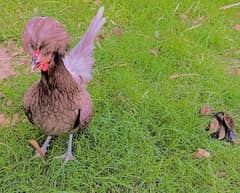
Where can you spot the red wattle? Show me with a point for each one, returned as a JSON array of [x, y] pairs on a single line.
[[44, 66]]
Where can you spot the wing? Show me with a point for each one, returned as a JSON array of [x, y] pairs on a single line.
[[80, 60]]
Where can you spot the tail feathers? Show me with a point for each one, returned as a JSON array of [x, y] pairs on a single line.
[[79, 61]]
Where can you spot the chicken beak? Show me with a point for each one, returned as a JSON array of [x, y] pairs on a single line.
[[35, 62]]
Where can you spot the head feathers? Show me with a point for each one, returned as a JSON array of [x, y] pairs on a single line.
[[45, 34]]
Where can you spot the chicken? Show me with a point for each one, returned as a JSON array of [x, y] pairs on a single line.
[[59, 102]]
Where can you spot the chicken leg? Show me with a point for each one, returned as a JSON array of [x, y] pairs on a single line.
[[68, 155], [44, 147]]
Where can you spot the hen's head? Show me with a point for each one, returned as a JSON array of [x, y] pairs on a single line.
[[43, 38]]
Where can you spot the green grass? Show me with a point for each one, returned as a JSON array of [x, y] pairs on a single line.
[[145, 126]]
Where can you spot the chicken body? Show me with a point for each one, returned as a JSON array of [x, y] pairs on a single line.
[[59, 102]]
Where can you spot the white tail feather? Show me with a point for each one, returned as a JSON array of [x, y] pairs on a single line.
[[79, 61]]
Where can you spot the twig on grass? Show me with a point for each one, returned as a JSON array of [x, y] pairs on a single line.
[[176, 76], [229, 6]]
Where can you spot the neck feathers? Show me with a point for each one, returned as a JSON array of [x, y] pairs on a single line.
[[57, 77]]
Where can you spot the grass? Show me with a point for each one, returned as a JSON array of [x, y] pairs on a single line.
[[145, 126]]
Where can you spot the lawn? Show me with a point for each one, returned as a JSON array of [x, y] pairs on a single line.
[[146, 123]]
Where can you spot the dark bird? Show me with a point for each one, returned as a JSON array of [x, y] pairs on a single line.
[[59, 102]]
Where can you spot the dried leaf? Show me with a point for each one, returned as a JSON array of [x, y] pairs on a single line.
[[153, 52], [232, 136], [3, 120], [228, 120], [198, 20], [97, 2], [222, 133], [8, 55], [221, 173], [201, 153], [1, 95], [9, 103], [235, 70], [99, 38], [15, 119], [237, 27], [222, 127], [117, 31], [214, 126], [183, 16], [205, 110], [11, 44], [6, 69], [38, 149]]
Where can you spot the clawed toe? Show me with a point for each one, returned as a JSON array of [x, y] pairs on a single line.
[[37, 154], [67, 156], [43, 150]]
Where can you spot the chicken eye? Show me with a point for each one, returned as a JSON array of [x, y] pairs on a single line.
[[41, 47]]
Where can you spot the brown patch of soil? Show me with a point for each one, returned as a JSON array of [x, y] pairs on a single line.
[[10, 54]]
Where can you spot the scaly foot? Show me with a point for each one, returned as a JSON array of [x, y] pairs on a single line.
[[44, 147], [67, 156], [37, 154]]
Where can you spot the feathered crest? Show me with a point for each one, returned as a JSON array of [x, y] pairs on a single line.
[[46, 34]]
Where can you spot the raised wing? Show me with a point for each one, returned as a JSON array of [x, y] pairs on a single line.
[[80, 60]]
